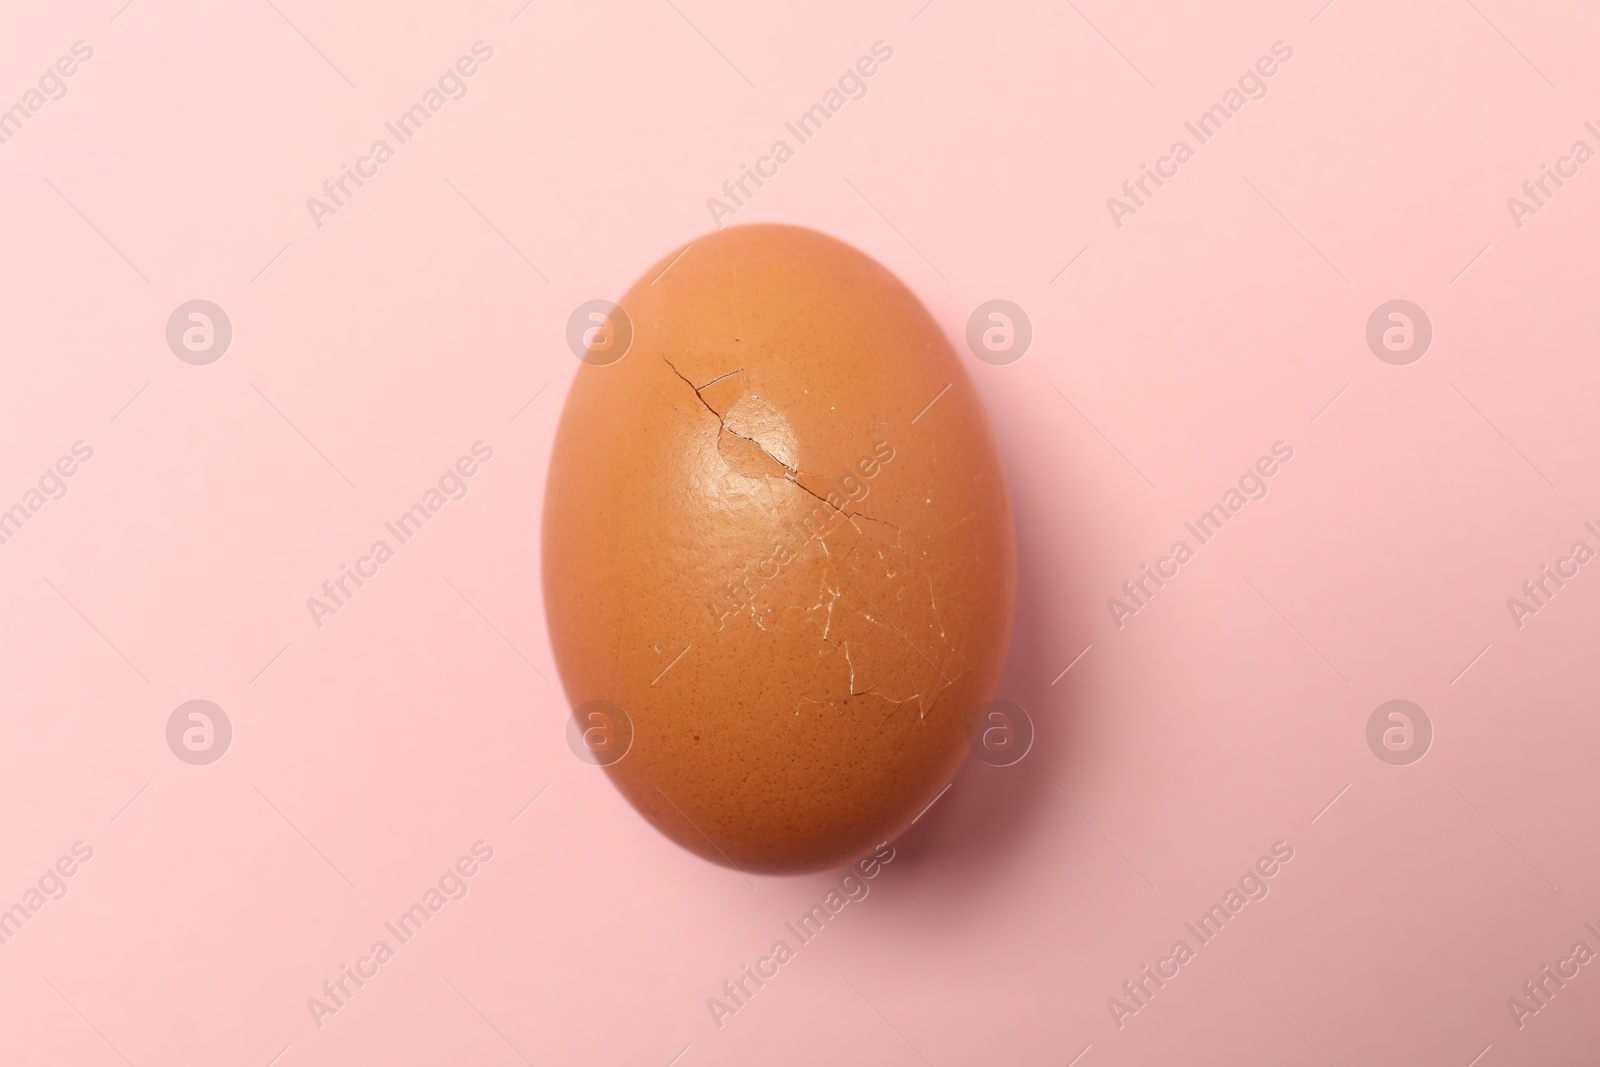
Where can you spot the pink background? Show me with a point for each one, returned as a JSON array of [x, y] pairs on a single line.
[[425, 315]]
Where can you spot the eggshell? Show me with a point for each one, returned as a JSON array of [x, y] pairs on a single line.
[[777, 536]]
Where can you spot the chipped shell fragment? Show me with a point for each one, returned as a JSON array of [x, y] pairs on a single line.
[[793, 575]]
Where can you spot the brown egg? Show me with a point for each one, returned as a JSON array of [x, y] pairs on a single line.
[[777, 536]]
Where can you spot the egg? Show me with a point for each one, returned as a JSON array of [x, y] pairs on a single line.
[[778, 554]]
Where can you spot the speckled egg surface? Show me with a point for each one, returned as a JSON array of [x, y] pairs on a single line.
[[777, 538]]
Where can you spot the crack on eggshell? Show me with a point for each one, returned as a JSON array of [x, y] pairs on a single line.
[[791, 472], [833, 598], [933, 605], [843, 647], [714, 381], [766, 619], [922, 708], [852, 665]]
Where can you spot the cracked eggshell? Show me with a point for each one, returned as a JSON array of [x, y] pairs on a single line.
[[798, 589]]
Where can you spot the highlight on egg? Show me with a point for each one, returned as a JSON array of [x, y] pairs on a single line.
[[777, 549]]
